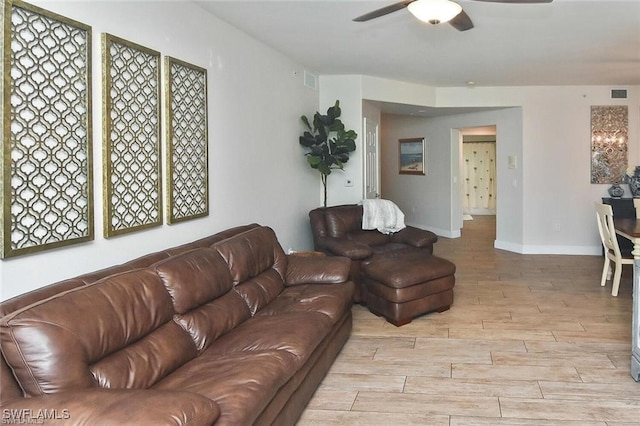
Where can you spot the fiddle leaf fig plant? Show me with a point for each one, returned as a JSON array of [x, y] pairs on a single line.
[[328, 143]]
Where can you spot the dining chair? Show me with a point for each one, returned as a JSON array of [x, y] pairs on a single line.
[[612, 254], [636, 205]]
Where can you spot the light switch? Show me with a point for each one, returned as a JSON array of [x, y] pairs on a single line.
[[513, 162]]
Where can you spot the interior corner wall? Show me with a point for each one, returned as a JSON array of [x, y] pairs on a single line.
[[370, 112], [402, 92], [428, 201], [348, 90], [257, 170], [547, 200], [424, 199], [557, 214]]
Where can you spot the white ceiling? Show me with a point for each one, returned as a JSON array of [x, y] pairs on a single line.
[[567, 42]]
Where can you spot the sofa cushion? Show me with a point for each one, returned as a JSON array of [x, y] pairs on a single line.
[[128, 339], [110, 407], [369, 238], [194, 278], [242, 383], [332, 302], [211, 239], [200, 286], [343, 219], [317, 270], [396, 248], [295, 332], [38, 295], [404, 269], [257, 264]]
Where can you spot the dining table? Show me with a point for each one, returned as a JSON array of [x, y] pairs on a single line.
[[630, 229]]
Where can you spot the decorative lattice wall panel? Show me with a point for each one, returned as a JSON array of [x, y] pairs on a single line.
[[46, 186], [186, 129], [131, 124]]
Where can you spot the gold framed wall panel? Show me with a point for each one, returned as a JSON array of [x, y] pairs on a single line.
[[187, 145], [132, 180], [609, 140], [46, 187]]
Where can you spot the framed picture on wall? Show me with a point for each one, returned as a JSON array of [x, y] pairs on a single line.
[[412, 156]]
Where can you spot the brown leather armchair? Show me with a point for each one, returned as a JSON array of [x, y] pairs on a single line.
[[337, 231]]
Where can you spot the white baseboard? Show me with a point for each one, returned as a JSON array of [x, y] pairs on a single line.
[[538, 249], [447, 233], [523, 248], [482, 212]]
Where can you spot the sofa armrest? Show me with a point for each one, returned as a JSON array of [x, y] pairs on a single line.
[[113, 407], [317, 270], [415, 237], [345, 247]]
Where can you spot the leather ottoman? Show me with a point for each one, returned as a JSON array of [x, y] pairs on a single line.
[[403, 285]]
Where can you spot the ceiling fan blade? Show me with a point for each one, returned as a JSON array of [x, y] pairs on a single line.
[[516, 1], [383, 11], [461, 22]]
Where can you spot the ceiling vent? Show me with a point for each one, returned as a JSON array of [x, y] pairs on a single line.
[[618, 93]]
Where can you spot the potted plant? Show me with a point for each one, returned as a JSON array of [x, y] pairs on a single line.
[[328, 143]]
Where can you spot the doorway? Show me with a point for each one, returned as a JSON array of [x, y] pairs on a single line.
[[371, 160], [478, 173]]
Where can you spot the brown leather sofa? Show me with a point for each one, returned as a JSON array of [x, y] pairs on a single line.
[[227, 330], [337, 231]]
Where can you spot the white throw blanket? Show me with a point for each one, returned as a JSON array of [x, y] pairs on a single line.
[[382, 215]]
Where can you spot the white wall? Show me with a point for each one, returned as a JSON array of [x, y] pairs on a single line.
[[346, 89], [433, 201], [556, 155], [257, 171], [547, 202]]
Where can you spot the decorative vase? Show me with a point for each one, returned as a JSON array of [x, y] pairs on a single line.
[[616, 191], [634, 186]]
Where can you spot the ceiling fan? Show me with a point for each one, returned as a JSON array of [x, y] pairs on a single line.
[[436, 11]]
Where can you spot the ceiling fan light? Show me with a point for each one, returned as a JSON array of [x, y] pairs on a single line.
[[434, 11]]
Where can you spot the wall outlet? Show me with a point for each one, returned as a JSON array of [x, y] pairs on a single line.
[[348, 182]]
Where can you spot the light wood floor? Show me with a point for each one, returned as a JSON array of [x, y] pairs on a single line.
[[529, 340]]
